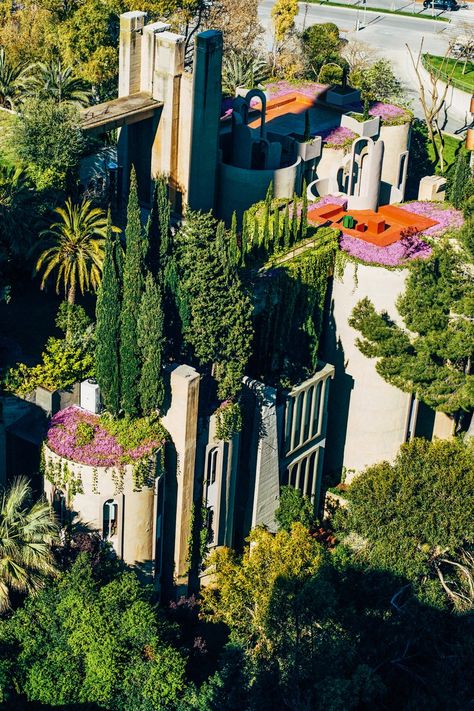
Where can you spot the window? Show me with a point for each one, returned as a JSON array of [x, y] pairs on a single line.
[[211, 469], [109, 519]]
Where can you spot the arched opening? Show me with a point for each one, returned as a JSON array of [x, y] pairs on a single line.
[[211, 466], [59, 506]]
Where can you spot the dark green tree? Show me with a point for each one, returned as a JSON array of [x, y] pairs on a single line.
[[244, 239], [151, 343], [108, 308], [294, 507], [294, 220], [133, 278], [286, 227], [304, 213], [266, 227], [276, 230], [256, 233], [462, 181], [158, 231], [234, 253]]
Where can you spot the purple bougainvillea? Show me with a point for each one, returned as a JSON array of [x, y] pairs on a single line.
[[310, 89], [102, 451], [386, 112], [446, 217]]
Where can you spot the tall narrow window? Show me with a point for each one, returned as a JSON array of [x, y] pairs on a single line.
[[211, 469], [109, 519], [59, 506]]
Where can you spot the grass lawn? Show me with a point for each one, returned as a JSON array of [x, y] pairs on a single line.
[[451, 148], [465, 81], [7, 144]]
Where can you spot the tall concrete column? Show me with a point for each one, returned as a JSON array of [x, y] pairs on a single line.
[[131, 31], [207, 96], [181, 422]]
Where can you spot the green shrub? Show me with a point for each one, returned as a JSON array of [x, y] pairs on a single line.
[[84, 434]]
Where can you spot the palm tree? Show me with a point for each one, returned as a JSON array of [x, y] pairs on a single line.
[[16, 217], [76, 248], [26, 533], [13, 81], [242, 71], [53, 81]]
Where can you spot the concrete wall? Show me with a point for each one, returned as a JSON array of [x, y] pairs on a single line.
[[239, 188], [396, 141], [134, 539], [181, 421], [368, 418]]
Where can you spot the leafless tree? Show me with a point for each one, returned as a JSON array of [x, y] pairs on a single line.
[[433, 94]]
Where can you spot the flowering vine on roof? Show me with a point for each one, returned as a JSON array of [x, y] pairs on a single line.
[[102, 441]]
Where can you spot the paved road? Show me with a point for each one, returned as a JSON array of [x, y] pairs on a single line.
[[388, 34]]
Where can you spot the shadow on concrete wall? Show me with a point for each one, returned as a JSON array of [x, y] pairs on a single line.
[[169, 523], [339, 397]]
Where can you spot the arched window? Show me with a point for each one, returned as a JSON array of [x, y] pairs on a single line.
[[109, 519], [211, 468]]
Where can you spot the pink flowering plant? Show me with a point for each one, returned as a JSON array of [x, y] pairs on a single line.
[[310, 89], [103, 441], [390, 114], [411, 246], [340, 137]]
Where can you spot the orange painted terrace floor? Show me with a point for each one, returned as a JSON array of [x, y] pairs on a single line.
[[380, 228]]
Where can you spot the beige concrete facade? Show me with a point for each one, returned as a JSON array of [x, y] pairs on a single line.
[[134, 530]]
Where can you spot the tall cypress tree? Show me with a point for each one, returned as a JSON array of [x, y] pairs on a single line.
[[256, 233], [286, 227], [461, 179], [304, 213], [266, 227], [234, 254], [132, 293], [151, 343], [108, 323], [276, 230], [158, 231], [244, 239], [294, 220]]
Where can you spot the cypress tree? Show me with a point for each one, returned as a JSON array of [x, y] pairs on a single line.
[[158, 231], [266, 227], [460, 182], [244, 239], [220, 238], [294, 221], [151, 343], [276, 230], [304, 213], [132, 293], [286, 227], [234, 254], [256, 233], [108, 323]]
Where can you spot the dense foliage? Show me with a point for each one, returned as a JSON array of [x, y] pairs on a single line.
[[90, 640], [415, 516]]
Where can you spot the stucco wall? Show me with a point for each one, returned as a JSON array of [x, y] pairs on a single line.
[[239, 188], [395, 140], [134, 541], [367, 417]]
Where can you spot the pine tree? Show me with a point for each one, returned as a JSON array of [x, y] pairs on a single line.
[[151, 343], [132, 293], [244, 239], [108, 323], [304, 212], [294, 220], [276, 230], [234, 254], [461, 180], [286, 227]]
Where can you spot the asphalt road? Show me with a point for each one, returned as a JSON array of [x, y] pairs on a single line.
[[387, 34]]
